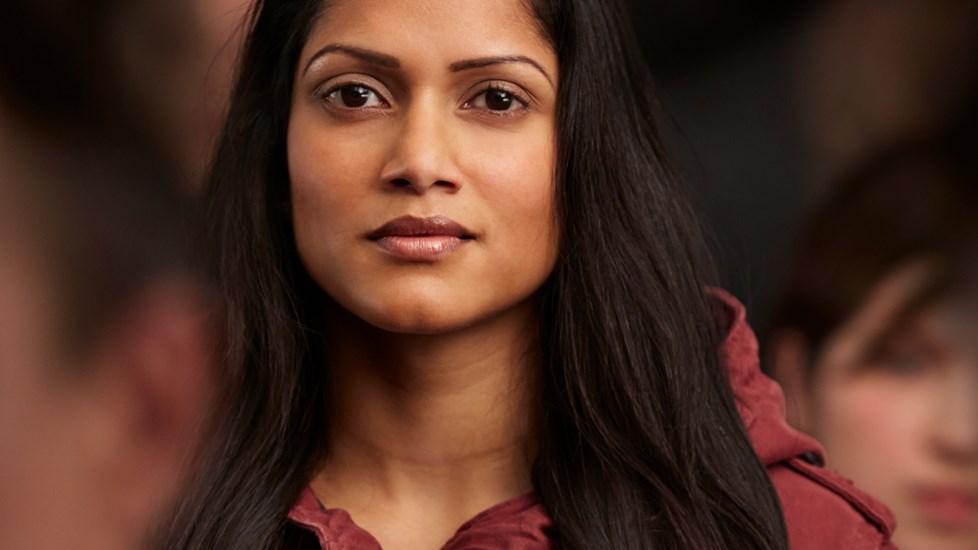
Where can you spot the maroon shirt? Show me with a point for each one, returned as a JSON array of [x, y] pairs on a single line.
[[821, 509]]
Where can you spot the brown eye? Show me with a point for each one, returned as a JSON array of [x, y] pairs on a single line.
[[354, 96], [498, 101]]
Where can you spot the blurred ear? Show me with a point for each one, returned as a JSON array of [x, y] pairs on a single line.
[[789, 355], [152, 380]]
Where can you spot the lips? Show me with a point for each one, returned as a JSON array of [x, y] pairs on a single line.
[[420, 239], [948, 507]]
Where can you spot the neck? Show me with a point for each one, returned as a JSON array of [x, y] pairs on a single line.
[[445, 421]]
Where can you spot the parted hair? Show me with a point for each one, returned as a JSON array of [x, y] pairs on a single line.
[[641, 446]]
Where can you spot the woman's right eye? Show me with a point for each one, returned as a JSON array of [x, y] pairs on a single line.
[[353, 96]]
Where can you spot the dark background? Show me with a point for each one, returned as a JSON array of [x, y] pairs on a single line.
[[766, 103]]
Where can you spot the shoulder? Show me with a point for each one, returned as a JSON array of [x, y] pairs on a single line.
[[821, 509]]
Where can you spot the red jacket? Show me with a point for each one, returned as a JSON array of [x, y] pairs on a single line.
[[821, 509]]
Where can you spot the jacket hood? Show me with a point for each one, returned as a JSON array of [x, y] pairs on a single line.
[[759, 399]]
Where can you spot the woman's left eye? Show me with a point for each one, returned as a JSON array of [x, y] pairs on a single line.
[[497, 101], [354, 96]]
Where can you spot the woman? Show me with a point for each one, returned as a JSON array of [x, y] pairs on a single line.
[[463, 289], [875, 340]]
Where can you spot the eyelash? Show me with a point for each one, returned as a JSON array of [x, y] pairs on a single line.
[[519, 97], [325, 95], [522, 99]]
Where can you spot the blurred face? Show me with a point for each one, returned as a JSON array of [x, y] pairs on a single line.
[[48, 473], [93, 441], [34, 475], [421, 152], [902, 420]]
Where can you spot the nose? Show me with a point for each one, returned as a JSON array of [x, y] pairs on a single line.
[[422, 155], [956, 434]]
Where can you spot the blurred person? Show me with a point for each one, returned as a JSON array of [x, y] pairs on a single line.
[[876, 338], [465, 303], [105, 364], [104, 361]]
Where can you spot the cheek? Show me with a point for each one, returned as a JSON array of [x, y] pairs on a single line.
[[330, 181], [873, 431], [862, 411], [515, 178], [327, 176]]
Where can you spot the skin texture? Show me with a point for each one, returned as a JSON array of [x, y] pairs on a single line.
[[432, 361], [900, 417]]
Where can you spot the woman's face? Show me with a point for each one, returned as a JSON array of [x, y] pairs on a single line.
[[902, 421], [421, 157]]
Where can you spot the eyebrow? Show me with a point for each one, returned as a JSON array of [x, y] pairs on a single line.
[[391, 62], [469, 64], [368, 56]]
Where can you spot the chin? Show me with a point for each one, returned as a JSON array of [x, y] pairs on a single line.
[[414, 311], [420, 321]]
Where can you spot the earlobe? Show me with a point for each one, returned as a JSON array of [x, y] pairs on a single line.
[[788, 359]]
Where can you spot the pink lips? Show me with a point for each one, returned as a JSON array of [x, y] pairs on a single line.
[[420, 239], [949, 508]]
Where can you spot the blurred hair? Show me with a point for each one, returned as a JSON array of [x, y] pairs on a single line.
[[84, 70], [916, 199], [641, 445], [106, 221], [100, 198]]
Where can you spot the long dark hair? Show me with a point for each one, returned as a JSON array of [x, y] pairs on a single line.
[[641, 444]]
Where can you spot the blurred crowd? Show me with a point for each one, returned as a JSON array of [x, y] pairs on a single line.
[[869, 318]]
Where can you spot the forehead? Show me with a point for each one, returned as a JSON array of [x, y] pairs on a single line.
[[434, 30]]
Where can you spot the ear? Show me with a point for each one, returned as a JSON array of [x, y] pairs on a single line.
[[153, 374], [788, 357]]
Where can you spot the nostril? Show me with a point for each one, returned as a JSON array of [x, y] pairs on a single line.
[[401, 182]]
